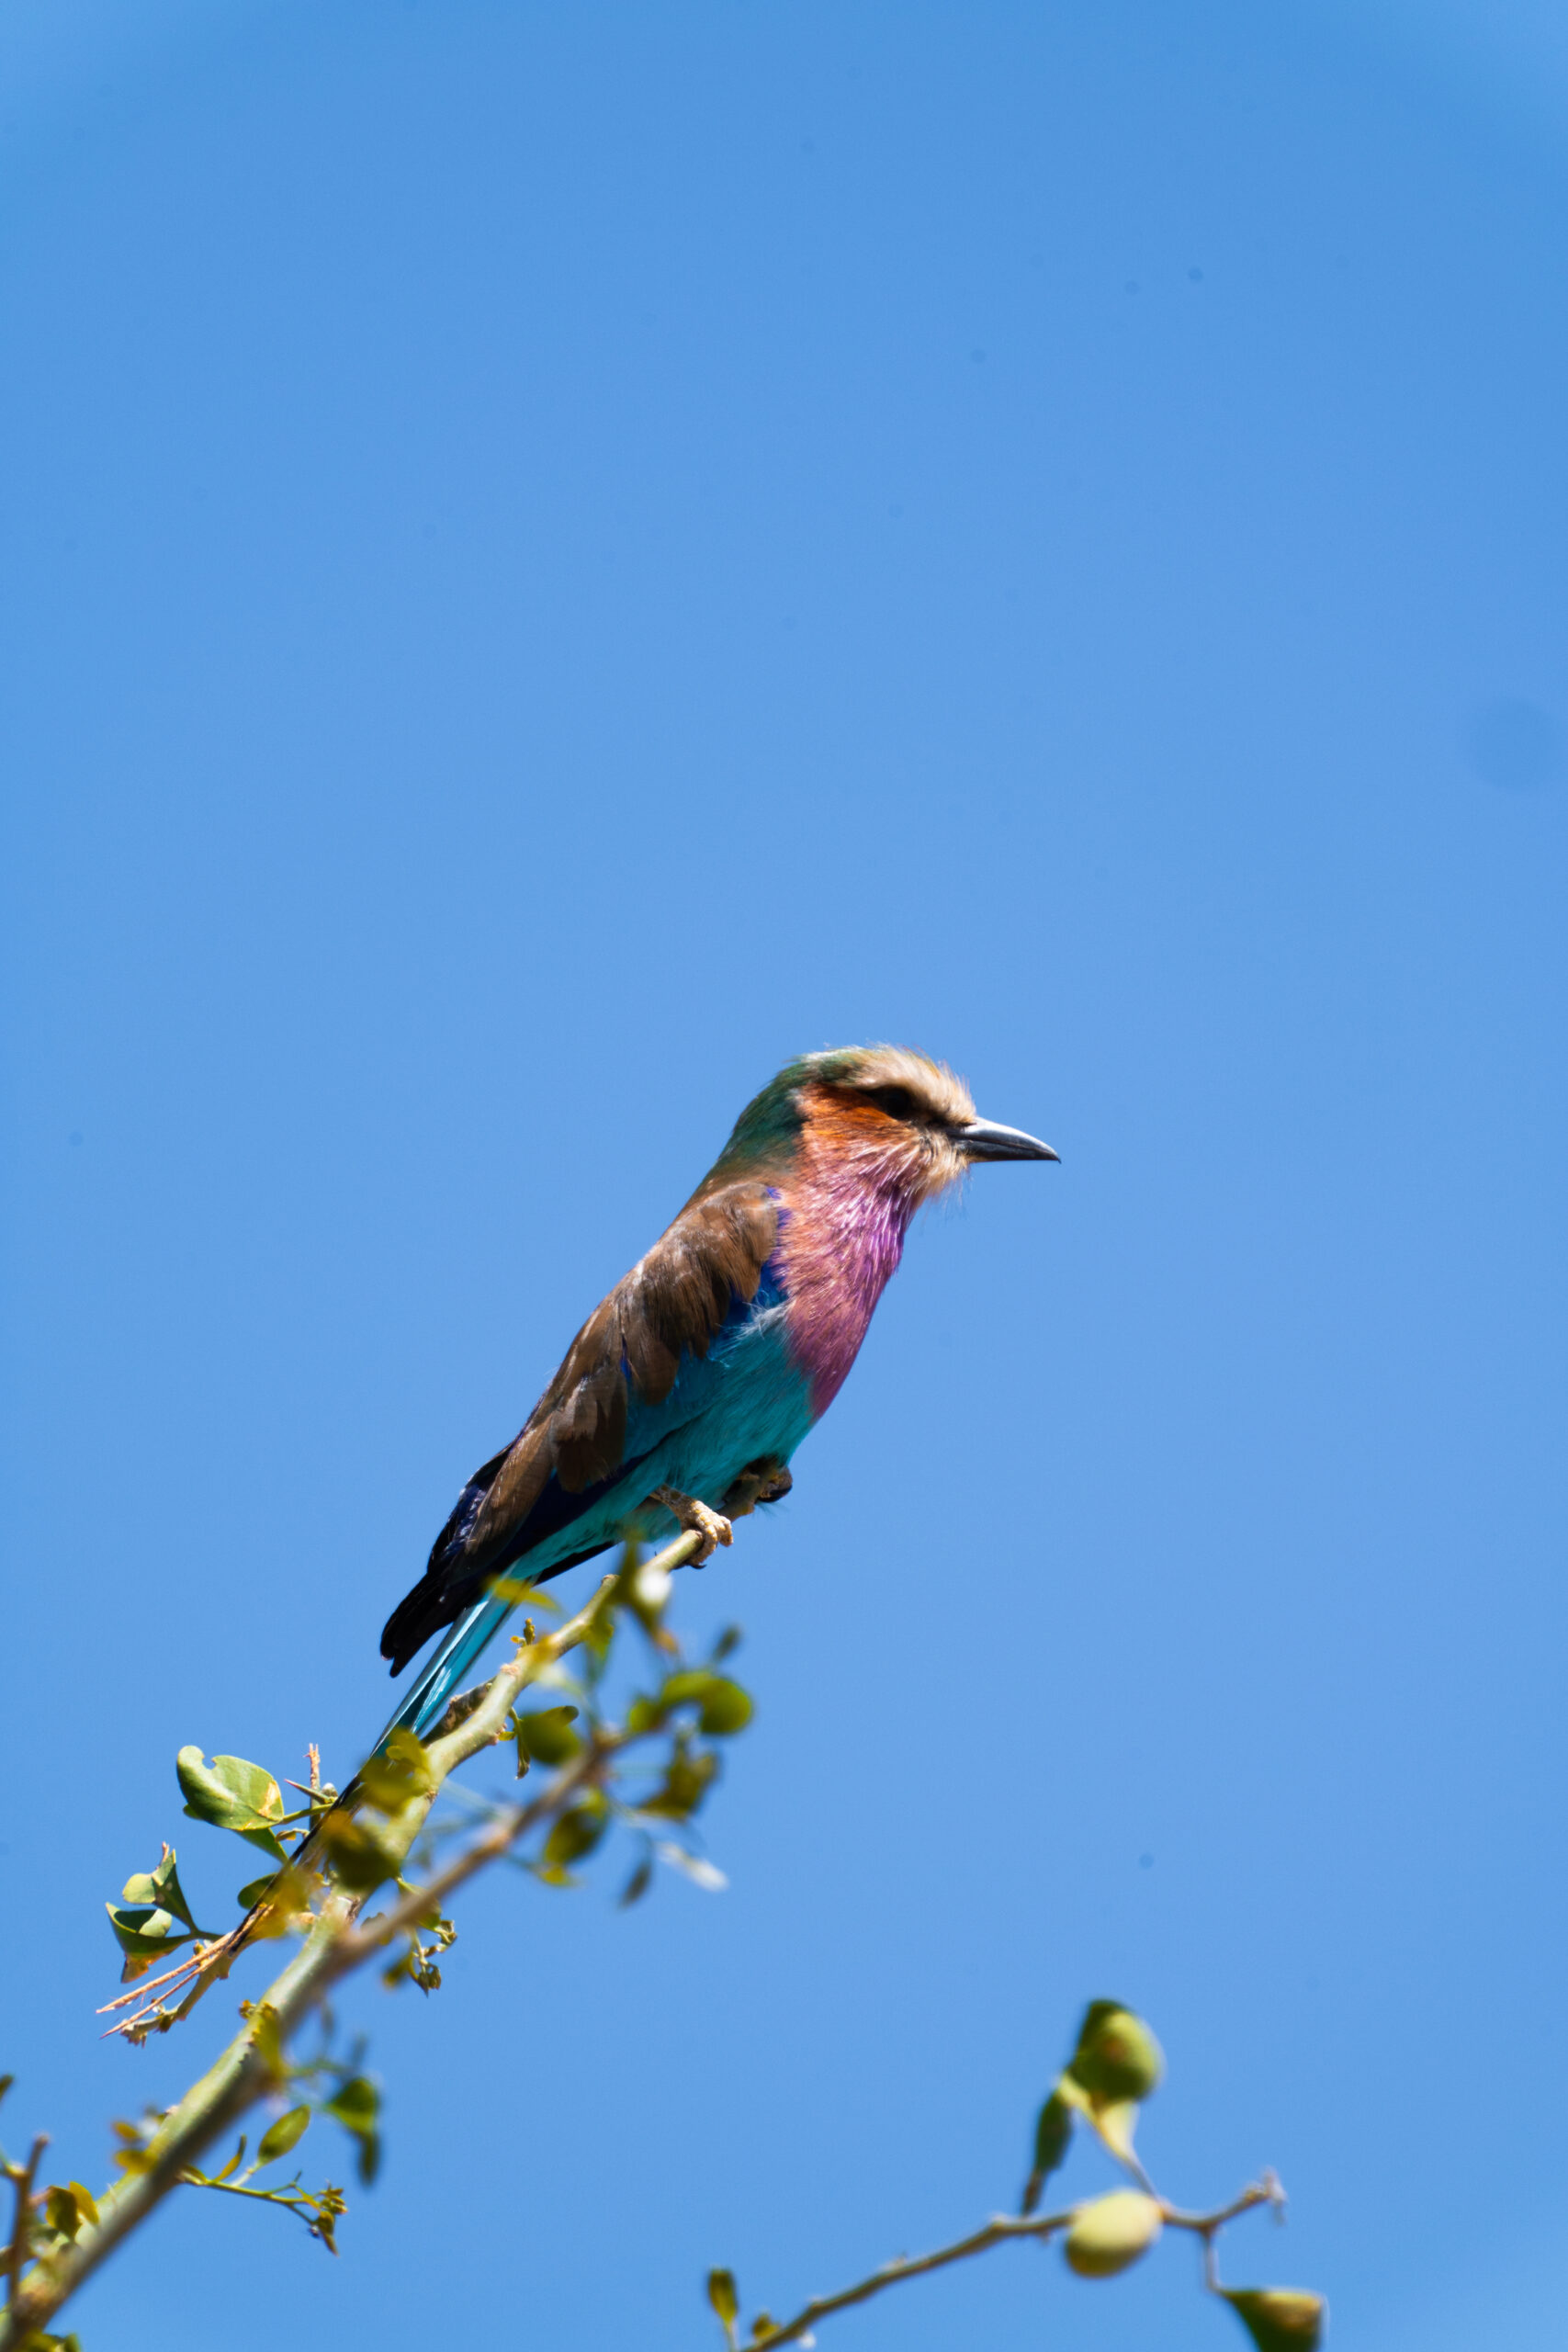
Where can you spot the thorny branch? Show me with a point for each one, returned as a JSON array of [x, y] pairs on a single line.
[[334, 1945]]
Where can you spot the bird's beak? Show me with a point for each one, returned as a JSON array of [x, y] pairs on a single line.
[[981, 1139]]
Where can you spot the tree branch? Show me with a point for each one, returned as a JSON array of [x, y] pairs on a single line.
[[22, 2178], [1001, 2231], [334, 1946]]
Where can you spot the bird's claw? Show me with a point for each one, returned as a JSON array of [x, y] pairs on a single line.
[[766, 1480], [696, 1518]]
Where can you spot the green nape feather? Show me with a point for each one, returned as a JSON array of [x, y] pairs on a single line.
[[768, 1129]]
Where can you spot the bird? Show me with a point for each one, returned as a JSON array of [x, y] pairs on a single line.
[[682, 1398]]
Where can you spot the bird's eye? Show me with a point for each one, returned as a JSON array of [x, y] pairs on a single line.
[[896, 1100]]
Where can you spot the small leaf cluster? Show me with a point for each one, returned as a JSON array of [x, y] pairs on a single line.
[[359, 1842], [153, 1917], [419, 1963], [691, 1707], [334, 2087], [1116, 2064]]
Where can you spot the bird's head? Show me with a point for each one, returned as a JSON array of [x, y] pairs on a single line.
[[892, 1119]]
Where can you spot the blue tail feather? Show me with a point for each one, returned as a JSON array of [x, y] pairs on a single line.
[[426, 1702]]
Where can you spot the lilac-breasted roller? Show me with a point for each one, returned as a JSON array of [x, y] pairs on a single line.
[[684, 1395]]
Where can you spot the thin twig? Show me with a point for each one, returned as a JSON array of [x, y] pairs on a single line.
[[301, 2205], [22, 2179], [998, 2231], [1001, 2231]]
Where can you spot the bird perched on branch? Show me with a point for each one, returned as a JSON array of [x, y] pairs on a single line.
[[686, 1393]]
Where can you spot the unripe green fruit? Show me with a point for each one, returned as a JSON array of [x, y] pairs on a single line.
[[1109, 2235], [1117, 2057], [1278, 2318]]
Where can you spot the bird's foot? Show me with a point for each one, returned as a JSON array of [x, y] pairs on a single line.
[[766, 1480], [696, 1518]]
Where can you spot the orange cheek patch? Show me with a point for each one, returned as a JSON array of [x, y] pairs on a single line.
[[842, 1132]]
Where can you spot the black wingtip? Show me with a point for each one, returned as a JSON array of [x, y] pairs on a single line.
[[419, 1614]]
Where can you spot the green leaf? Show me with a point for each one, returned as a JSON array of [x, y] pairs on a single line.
[[1117, 2057], [86, 2203], [1111, 2234], [725, 1706], [131, 2155], [233, 1794], [160, 1890], [143, 1937], [360, 1860], [60, 2212], [598, 1635], [575, 1833], [285, 1895], [689, 1688], [266, 2039], [545, 1735], [398, 1773], [1278, 2318], [251, 1893], [723, 2296], [1053, 2130], [644, 1587], [279, 2137], [687, 1779], [514, 1590], [357, 2105], [636, 1886]]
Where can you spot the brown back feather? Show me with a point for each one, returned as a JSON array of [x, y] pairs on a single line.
[[674, 1299]]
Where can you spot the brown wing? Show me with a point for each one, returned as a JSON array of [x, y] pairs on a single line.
[[672, 1303]]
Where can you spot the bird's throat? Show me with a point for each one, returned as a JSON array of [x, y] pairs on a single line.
[[840, 1239]]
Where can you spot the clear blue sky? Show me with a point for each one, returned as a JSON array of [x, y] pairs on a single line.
[[551, 559]]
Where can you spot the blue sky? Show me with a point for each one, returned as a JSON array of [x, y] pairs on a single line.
[[550, 560]]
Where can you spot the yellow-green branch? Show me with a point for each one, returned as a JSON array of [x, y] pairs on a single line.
[[335, 1946]]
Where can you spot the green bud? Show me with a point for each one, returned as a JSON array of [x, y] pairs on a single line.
[[1117, 2057], [726, 1708], [723, 2295], [279, 2137], [1278, 2318], [546, 1736], [1109, 2234]]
